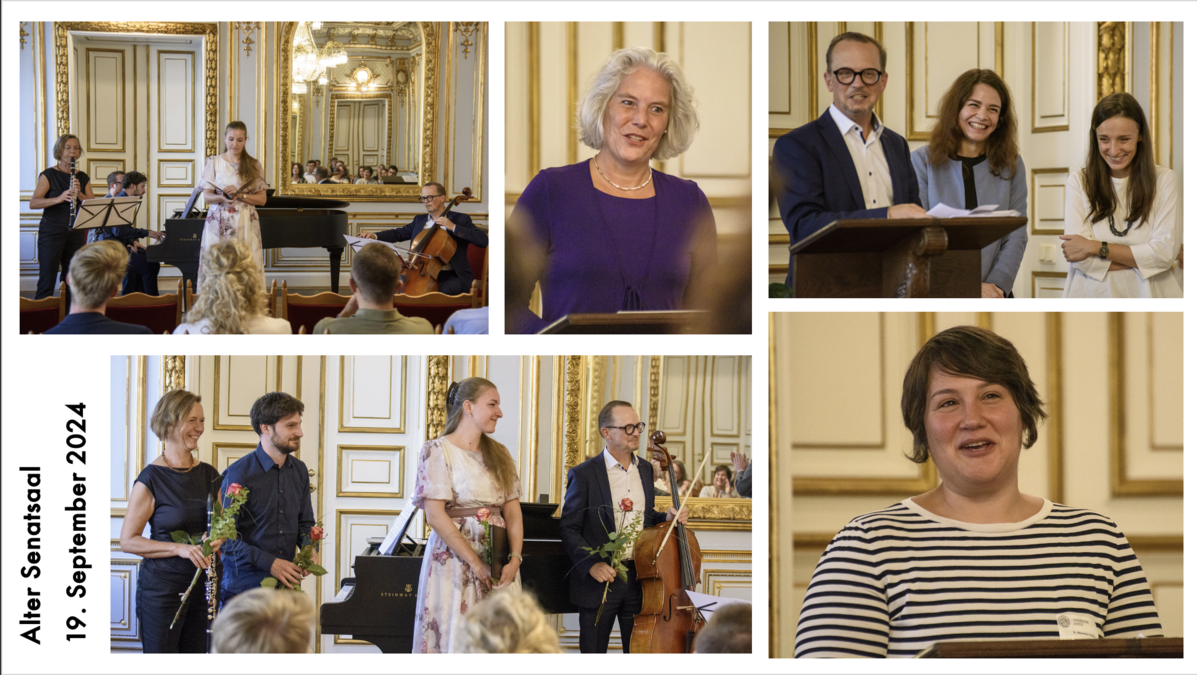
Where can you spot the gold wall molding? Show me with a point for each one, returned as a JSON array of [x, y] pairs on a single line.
[[398, 450], [466, 30], [654, 390], [278, 386], [438, 386], [573, 398], [1113, 57], [402, 428], [211, 65], [359, 193], [1120, 484], [775, 504], [174, 373], [708, 513], [87, 101], [247, 30]]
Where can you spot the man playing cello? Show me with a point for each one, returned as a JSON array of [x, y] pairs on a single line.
[[457, 278], [593, 493]]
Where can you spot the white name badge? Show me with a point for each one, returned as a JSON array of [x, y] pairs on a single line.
[[1075, 626]]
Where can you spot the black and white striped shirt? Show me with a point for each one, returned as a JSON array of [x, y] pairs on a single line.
[[899, 580]]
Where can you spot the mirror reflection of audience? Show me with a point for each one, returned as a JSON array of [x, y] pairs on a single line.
[[322, 176], [365, 176], [171, 494], [975, 558], [297, 173], [728, 631], [265, 621], [610, 233], [338, 174], [309, 175], [392, 170], [972, 160], [231, 299], [506, 623], [56, 241], [142, 275], [743, 479], [721, 485], [374, 280], [94, 278], [1121, 212]]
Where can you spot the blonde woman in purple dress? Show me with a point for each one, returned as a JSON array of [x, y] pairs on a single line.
[[232, 215], [464, 479]]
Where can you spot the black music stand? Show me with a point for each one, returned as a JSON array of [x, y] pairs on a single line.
[[106, 212], [671, 321]]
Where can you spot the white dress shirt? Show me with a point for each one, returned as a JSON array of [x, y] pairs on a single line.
[[625, 483], [869, 158]]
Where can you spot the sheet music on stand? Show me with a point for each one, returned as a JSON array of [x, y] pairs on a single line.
[[356, 243], [398, 528], [706, 605], [106, 212]]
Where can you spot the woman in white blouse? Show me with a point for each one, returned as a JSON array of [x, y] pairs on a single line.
[[1121, 225]]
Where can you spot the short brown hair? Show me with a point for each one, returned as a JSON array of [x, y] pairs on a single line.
[[96, 272], [272, 407], [968, 351], [439, 188], [376, 272], [854, 37], [729, 631], [604, 416], [61, 143], [170, 412]]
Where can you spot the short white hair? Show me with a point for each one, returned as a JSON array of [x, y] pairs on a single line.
[[683, 117]]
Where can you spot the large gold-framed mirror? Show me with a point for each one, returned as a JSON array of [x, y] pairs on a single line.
[[363, 93]]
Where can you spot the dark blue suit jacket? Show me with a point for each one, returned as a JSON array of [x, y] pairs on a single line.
[[91, 323], [587, 499], [465, 232], [815, 179]]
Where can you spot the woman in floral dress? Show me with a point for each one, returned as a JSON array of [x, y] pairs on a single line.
[[464, 479], [229, 216]]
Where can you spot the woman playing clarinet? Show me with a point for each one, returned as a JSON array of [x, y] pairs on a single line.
[[59, 190]]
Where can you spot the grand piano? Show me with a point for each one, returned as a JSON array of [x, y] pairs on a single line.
[[286, 222], [378, 603]]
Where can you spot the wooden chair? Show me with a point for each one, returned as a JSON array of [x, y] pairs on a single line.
[[39, 316], [156, 312], [438, 307], [307, 310], [480, 267]]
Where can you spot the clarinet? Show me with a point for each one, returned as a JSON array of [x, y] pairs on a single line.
[[71, 187], [212, 586]]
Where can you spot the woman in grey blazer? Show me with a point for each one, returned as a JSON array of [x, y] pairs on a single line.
[[972, 160]]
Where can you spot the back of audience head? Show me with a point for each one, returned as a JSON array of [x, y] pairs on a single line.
[[375, 273], [506, 623], [265, 621], [230, 288], [321, 173], [96, 272], [728, 631]]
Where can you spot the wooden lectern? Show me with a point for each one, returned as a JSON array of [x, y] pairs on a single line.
[[676, 321], [1146, 648], [914, 258]]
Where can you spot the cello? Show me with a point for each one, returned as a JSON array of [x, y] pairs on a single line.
[[431, 250], [668, 620]]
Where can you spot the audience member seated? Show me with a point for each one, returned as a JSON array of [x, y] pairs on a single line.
[[94, 277], [322, 176], [721, 485], [310, 174], [231, 298], [338, 174], [508, 622], [728, 631], [265, 621], [743, 479], [373, 280], [142, 275], [114, 183], [365, 176], [392, 170], [469, 322]]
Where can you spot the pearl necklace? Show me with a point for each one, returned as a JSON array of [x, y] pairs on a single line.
[[620, 187]]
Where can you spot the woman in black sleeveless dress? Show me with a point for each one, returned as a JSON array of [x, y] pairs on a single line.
[[172, 494], [56, 242]]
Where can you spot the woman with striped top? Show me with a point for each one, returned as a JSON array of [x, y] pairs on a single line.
[[974, 558]]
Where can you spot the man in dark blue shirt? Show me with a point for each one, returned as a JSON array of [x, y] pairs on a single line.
[[272, 522], [142, 276]]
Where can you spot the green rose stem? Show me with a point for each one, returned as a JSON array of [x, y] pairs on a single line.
[[220, 527]]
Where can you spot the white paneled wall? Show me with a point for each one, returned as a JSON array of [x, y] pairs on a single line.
[[840, 454]]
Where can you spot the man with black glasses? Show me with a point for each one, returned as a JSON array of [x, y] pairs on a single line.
[[601, 494], [846, 164]]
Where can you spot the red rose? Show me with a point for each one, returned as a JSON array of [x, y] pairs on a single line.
[[626, 503], [483, 514], [234, 489], [317, 533]]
